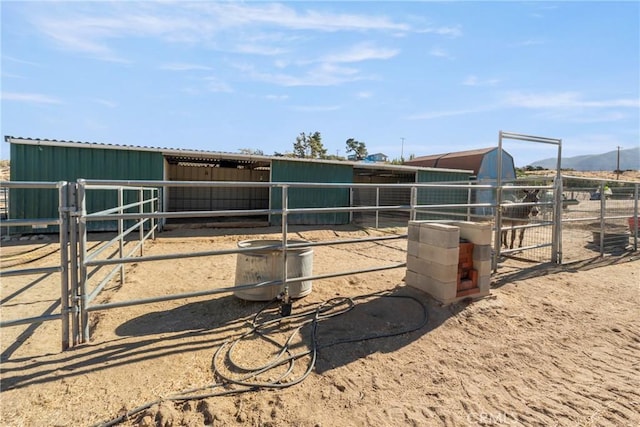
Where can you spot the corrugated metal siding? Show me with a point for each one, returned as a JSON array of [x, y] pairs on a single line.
[[195, 199], [52, 163], [431, 196], [284, 171], [489, 167]]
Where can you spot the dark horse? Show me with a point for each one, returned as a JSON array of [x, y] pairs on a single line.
[[518, 216]]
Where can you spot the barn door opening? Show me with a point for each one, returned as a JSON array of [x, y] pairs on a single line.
[[219, 197]]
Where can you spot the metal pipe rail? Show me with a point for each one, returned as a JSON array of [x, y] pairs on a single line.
[[82, 295], [30, 271], [233, 251], [31, 184], [29, 320], [116, 239], [89, 260], [91, 184], [29, 222], [111, 305], [124, 207], [62, 222], [253, 212], [525, 248]]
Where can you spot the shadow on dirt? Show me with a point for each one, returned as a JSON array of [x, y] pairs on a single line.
[[515, 272], [375, 324]]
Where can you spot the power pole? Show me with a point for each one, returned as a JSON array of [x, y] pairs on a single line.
[[618, 165], [402, 150]]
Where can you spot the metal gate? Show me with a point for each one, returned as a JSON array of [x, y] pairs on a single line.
[[527, 211], [526, 221]]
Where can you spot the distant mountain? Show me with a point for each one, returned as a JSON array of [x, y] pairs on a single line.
[[629, 160]]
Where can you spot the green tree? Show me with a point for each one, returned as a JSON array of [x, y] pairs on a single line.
[[251, 151], [309, 146], [359, 149]]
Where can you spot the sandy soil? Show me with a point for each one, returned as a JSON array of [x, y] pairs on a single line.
[[551, 345], [630, 175]]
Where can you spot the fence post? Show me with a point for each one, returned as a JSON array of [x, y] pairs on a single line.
[[414, 202], [377, 206], [556, 238], [120, 231], [63, 239], [635, 217], [497, 243], [351, 204], [469, 200], [141, 220], [82, 244], [153, 209], [73, 258], [603, 211], [285, 220]]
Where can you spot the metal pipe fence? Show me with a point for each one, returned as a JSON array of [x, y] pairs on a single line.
[[414, 207], [62, 221], [86, 271], [601, 212]]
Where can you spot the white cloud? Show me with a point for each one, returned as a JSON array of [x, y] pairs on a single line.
[[11, 76], [32, 98], [529, 42], [442, 31], [325, 74], [20, 61], [364, 95], [181, 66], [277, 97], [440, 53], [105, 102], [213, 84], [475, 81], [360, 52], [449, 113], [564, 100], [207, 23], [565, 106], [316, 108], [279, 15]]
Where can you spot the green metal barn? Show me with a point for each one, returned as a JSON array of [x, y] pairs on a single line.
[[53, 161]]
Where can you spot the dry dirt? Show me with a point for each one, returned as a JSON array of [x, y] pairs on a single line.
[[551, 345], [630, 175]]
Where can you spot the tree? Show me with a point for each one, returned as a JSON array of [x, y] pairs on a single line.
[[309, 146], [358, 148], [251, 151]]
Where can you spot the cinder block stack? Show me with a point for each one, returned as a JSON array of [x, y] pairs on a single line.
[[433, 255]]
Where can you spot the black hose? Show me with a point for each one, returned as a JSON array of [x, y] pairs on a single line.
[[325, 310]]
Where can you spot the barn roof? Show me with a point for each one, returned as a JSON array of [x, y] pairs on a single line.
[[469, 159], [199, 156]]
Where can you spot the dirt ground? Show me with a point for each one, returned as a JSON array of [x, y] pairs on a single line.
[[551, 345]]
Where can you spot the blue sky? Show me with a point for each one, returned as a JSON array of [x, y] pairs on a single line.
[[404, 77]]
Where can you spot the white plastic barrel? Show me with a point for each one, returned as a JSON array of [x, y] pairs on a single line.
[[266, 264]]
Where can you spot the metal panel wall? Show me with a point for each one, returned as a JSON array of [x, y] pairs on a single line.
[[488, 174], [291, 171], [489, 167], [54, 163], [432, 196]]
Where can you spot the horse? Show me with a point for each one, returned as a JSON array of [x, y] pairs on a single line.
[[519, 215]]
